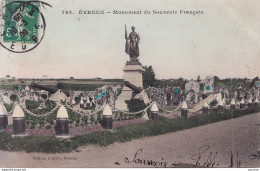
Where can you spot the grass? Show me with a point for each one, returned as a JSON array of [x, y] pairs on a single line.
[[170, 108], [8, 107], [50, 144], [31, 105], [8, 87], [78, 87], [69, 85]]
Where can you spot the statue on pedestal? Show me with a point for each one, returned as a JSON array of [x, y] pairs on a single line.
[[133, 73], [132, 47]]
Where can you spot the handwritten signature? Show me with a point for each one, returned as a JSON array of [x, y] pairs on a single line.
[[146, 162], [204, 158], [204, 152]]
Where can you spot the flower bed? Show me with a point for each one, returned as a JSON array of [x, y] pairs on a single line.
[[77, 130]]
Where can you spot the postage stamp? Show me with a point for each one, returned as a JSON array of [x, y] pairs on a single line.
[[20, 22], [22, 25]]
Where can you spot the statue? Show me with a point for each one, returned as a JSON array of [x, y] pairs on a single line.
[[131, 47], [133, 85]]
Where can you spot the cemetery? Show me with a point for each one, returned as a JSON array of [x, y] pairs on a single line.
[[41, 118]]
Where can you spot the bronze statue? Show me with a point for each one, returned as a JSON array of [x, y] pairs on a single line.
[[131, 48]]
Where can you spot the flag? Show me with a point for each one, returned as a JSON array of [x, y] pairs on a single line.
[[127, 48]]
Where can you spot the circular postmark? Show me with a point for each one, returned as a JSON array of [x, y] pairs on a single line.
[[22, 26]]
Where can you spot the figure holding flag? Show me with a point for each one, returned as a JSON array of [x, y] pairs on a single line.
[[131, 48]]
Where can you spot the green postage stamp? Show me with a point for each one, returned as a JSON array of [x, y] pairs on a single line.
[[21, 22], [22, 25]]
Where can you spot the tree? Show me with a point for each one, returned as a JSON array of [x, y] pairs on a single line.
[[252, 83], [198, 78], [216, 79], [13, 98], [181, 83], [135, 105], [148, 76]]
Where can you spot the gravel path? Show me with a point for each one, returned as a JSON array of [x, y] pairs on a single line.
[[241, 136]]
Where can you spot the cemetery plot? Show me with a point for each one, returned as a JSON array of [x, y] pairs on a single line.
[[95, 110]]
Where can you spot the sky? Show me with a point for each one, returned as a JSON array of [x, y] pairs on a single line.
[[223, 41]]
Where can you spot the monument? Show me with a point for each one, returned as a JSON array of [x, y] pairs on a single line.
[[133, 73]]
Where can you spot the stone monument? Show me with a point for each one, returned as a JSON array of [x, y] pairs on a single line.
[[133, 71]]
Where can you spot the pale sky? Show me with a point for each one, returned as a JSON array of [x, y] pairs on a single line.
[[224, 41]]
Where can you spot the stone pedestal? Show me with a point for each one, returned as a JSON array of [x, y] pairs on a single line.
[[250, 105], [3, 122], [205, 110], [134, 75], [220, 108], [232, 107], [242, 105], [184, 113], [62, 123], [19, 126], [107, 122], [62, 127]]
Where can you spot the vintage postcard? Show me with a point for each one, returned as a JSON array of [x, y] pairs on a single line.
[[129, 84]]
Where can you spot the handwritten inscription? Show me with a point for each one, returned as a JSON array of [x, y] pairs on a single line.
[[148, 162], [204, 152], [204, 158]]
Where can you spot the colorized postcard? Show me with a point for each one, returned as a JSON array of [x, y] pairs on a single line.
[[129, 84]]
